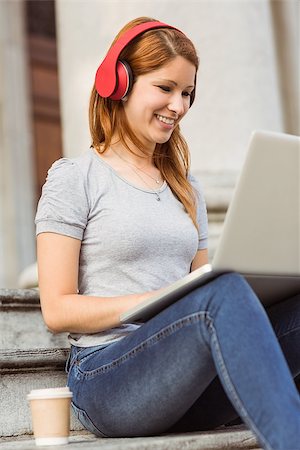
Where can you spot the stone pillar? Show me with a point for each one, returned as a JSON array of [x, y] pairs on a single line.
[[17, 240], [286, 17]]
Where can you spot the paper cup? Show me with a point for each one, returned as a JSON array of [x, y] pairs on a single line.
[[50, 411]]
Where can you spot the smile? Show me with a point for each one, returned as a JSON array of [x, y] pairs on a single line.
[[165, 119]]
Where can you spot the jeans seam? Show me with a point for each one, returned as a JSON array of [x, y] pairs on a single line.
[[71, 360], [151, 340], [77, 409], [245, 415]]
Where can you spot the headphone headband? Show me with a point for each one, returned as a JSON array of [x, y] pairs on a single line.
[[106, 77]]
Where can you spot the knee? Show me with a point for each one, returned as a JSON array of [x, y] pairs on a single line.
[[233, 280], [234, 285], [228, 293]]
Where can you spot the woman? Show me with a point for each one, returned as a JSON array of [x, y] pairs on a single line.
[[124, 220]]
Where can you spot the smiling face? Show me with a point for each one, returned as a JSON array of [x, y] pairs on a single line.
[[159, 100]]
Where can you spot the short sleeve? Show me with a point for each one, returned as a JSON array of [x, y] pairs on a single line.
[[63, 207], [202, 219]]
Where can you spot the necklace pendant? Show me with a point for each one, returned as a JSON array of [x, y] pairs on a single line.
[[158, 198], [157, 181]]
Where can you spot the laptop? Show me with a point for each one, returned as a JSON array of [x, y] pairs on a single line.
[[261, 233]]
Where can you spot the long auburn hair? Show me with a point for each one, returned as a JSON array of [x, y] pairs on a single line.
[[146, 53]]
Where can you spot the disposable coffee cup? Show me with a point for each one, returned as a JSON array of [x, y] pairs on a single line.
[[50, 411]]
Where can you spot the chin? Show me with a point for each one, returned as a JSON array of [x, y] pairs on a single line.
[[163, 140]]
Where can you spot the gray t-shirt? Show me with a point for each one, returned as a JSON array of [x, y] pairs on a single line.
[[130, 242]]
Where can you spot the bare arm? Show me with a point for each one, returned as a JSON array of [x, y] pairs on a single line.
[[200, 259], [62, 307]]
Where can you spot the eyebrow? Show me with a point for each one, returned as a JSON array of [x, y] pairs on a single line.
[[174, 83]]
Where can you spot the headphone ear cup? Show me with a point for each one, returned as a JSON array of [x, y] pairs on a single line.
[[113, 77], [124, 80]]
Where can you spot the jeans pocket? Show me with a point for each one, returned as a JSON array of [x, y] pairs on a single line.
[[84, 419]]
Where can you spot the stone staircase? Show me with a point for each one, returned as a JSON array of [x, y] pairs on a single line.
[[31, 357], [21, 322]]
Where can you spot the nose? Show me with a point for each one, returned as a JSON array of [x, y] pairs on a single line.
[[177, 104]]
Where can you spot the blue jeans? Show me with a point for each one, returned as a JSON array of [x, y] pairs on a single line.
[[160, 378]]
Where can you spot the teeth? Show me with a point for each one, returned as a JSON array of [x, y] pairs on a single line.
[[165, 119]]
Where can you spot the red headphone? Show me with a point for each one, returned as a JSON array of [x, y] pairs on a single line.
[[114, 77]]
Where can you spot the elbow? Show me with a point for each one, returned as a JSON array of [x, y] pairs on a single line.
[[52, 324], [52, 319], [53, 327]]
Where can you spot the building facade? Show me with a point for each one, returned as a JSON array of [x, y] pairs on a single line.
[[49, 52]]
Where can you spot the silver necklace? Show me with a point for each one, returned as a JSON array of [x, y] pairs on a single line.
[[144, 181], [157, 180], [131, 165]]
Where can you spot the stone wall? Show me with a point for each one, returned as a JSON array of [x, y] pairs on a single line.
[[237, 91], [248, 79]]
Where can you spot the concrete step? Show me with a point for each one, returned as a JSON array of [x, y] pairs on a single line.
[[21, 322], [230, 439], [30, 357], [20, 372]]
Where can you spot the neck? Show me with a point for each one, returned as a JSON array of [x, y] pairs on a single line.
[[135, 156]]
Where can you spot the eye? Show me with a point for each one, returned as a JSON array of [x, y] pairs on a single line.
[[165, 88], [186, 94]]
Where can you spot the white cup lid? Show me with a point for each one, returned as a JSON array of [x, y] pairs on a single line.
[[61, 392]]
